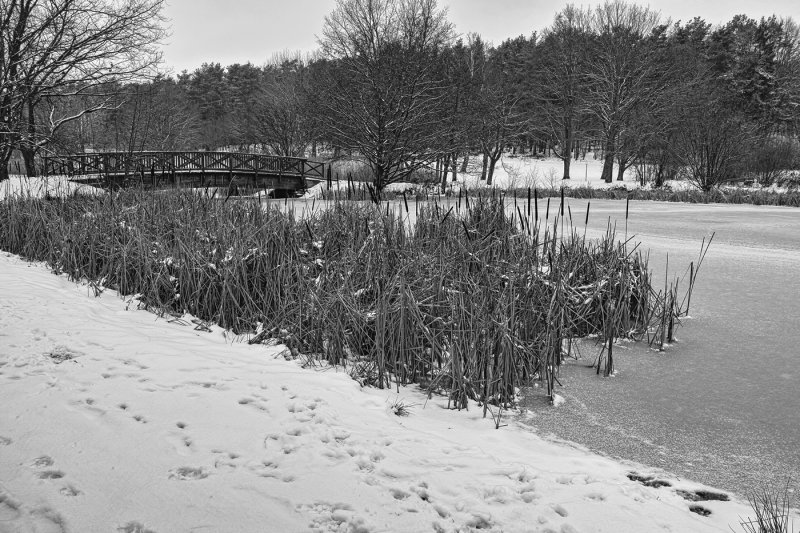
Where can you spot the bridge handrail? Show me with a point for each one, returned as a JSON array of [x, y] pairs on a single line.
[[180, 161]]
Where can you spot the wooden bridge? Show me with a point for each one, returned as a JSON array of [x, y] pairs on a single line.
[[159, 170]]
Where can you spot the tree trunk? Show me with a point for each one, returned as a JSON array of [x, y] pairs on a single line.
[[5, 156], [378, 181], [492, 162], [29, 156], [455, 167], [465, 163], [485, 165], [621, 171], [566, 151], [28, 145], [608, 164]]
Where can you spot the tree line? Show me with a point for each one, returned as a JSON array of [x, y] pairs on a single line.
[[394, 85]]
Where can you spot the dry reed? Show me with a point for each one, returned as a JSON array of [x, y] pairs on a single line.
[[468, 300]]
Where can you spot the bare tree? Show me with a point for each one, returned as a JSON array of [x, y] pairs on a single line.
[[623, 71], [559, 89], [383, 87], [54, 49], [499, 110], [277, 116]]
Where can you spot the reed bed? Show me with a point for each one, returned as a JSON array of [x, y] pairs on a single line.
[[472, 300], [728, 195]]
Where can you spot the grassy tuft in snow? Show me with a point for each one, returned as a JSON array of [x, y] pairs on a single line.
[[770, 506], [471, 300]]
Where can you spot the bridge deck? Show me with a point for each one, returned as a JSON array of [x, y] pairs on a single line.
[[153, 168]]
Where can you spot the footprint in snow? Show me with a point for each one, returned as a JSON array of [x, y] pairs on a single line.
[[699, 509], [134, 527], [559, 509], [182, 444], [254, 404], [42, 462], [51, 474], [41, 519], [187, 473], [70, 491], [480, 521], [399, 494], [703, 495], [649, 481], [61, 353], [9, 508], [134, 363], [226, 460]]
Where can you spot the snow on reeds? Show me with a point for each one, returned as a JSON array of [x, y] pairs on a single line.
[[472, 300]]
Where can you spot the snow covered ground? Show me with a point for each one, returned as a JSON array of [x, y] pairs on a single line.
[[40, 187], [523, 172], [520, 172], [113, 419]]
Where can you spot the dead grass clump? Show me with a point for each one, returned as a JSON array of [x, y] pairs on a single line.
[[771, 506]]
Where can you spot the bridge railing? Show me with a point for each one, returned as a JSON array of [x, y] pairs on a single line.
[[131, 163]]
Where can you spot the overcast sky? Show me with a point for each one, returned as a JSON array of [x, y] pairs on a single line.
[[238, 31]]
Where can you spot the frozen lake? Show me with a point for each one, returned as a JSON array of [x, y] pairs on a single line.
[[722, 405]]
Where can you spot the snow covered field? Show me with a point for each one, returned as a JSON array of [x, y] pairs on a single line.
[[114, 419], [40, 187]]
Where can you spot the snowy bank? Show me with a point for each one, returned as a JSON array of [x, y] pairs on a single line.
[[40, 187], [114, 419]]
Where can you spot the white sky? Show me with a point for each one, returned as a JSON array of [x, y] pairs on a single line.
[[237, 31]]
